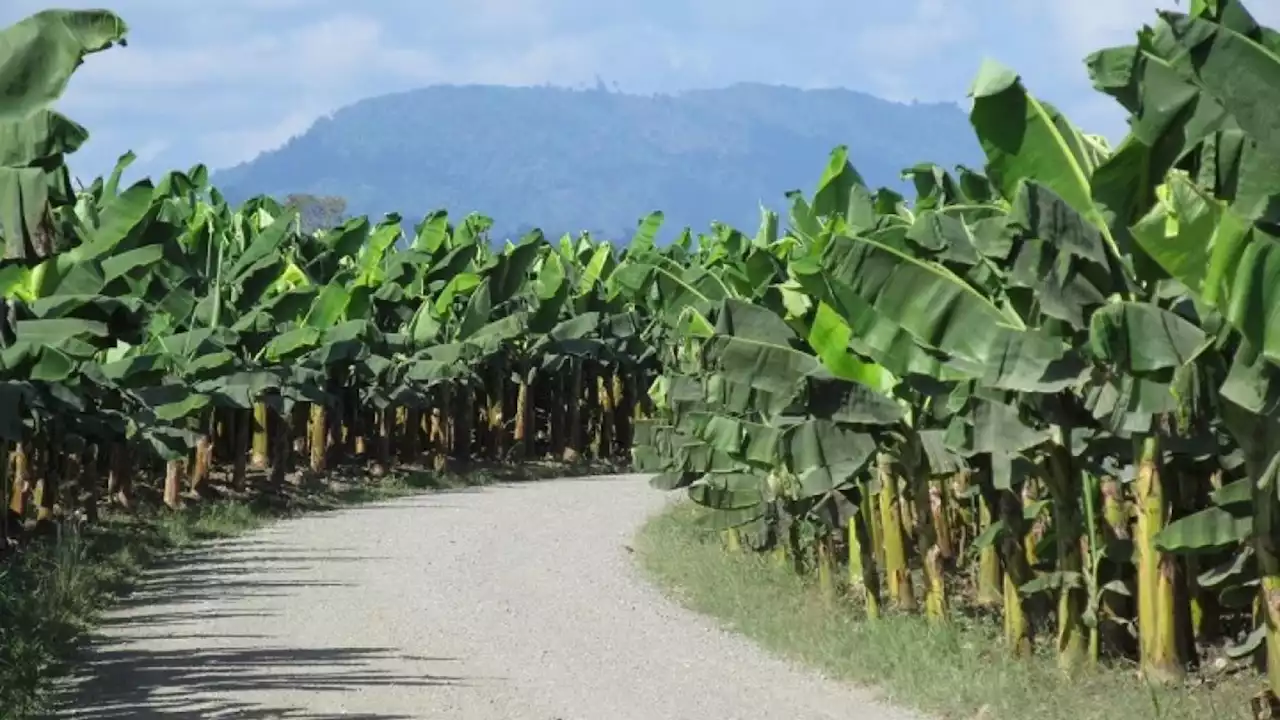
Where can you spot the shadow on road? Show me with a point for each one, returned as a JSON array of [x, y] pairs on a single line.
[[120, 683], [148, 663]]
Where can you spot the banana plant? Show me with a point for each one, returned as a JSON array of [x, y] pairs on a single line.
[[42, 51]]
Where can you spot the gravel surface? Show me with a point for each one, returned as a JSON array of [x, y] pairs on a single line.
[[515, 602]]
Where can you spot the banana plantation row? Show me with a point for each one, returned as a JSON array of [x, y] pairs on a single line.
[[312, 351], [155, 331], [1049, 387], [182, 330]]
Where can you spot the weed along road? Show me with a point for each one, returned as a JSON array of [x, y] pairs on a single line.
[[511, 602]]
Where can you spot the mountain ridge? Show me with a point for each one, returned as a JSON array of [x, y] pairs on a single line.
[[567, 159]]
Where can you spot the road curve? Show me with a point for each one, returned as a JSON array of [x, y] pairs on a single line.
[[512, 602]]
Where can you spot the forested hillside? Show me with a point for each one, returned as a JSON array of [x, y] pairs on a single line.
[[569, 160]]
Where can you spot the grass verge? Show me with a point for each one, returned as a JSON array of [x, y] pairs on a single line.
[[954, 671], [53, 590]]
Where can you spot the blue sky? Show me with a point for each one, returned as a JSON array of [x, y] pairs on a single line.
[[222, 80]]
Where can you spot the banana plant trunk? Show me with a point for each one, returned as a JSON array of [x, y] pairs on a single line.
[[935, 594], [1258, 435], [7, 525], [826, 563], [573, 423], [281, 445], [940, 509], [443, 425], [990, 576], [298, 433], [1065, 488], [876, 523], [357, 426], [557, 432], [242, 431], [72, 477], [383, 442], [464, 421], [1115, 517], [318, 438], [1202, 603], [202, 460], [21, 479], [896, 571], [48, 470], [224, 431], [173, 472], [412, 434], [1017, 572], [593, 415], [335, 445], [1267, 517], [862, 557], [120, 477], [623, 400], [261, 451], [97, 462], [607, 423], [524, 436], [1157, 571], [495, 411]]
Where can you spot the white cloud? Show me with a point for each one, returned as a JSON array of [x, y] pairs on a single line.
[[152, 149], [224, 101], [532, 16], [332, 53], [224, 148], [895, 53], [219, 82], [1082, 26]]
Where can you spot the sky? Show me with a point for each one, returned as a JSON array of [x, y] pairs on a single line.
[[221, 81]]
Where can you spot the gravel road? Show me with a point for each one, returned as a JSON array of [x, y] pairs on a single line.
[[514, 602]]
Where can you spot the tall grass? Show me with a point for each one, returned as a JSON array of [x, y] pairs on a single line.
[[956, 670]]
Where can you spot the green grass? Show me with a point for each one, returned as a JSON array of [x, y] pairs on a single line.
[[53, 590], [955, 671]]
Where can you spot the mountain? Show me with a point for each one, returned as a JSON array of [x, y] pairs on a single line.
[[568, 160]]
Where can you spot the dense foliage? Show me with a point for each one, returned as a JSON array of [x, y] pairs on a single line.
[[156, 327], [1050, 388]]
